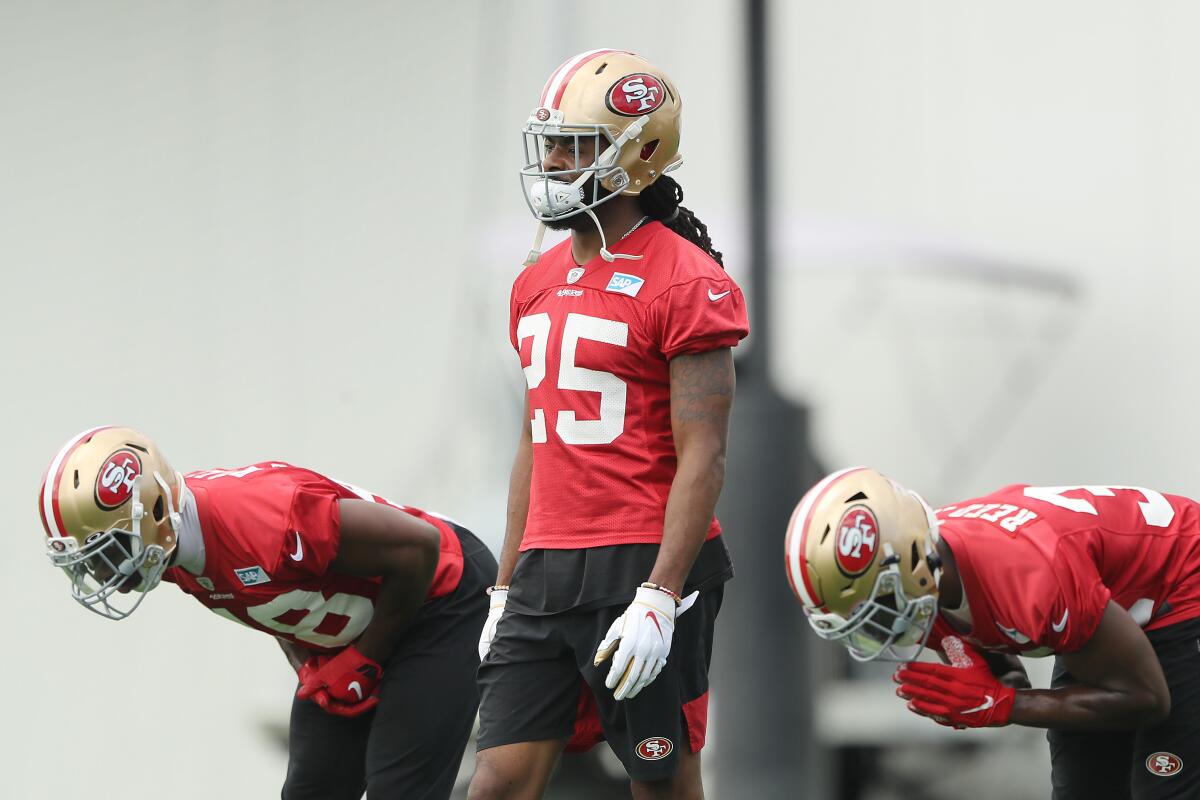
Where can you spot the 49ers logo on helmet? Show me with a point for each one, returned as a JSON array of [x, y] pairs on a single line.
[[114, 482], [654, 748], [1164, 764], [635, 95], [857, 541]]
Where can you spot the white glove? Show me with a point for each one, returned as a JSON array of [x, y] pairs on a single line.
[[641, 639], [498, 597]]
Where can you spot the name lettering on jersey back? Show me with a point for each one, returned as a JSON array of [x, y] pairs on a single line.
[[1006, 515]]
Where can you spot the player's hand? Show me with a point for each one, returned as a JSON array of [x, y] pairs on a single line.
[[498, 598], [321, 696], [639, 640], [348, 678], [962, 694]]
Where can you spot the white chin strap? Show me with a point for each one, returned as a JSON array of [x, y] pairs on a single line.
[[553, 198]]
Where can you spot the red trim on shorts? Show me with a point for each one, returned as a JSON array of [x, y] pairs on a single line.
[[588, 730], [695, 719]]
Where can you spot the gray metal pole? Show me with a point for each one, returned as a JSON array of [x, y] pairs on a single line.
[[762, 677]]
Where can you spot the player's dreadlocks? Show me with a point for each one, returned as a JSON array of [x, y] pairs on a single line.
[[661, 201]]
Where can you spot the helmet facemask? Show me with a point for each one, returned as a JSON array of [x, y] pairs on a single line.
[[112, 570], [886, 621], [554, 195]]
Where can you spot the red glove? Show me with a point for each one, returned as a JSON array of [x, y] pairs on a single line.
[[321, 696], [346, 684], [963, 694]]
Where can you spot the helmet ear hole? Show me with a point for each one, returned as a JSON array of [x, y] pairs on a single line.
[[915, 557], [159, 509], [648, 149]]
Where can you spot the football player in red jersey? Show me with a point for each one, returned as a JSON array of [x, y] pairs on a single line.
[[625, 334], [376, 605], [1106, 578]]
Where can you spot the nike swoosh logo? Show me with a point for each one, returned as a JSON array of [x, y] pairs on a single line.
[[650, 615], [988, 703], [1062, 623], [299, 554], [716, 297], [357, 689]]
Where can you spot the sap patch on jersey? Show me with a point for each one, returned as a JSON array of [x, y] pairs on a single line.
[[624, 284], [252, 576]]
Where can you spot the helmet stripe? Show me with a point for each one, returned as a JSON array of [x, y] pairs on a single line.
[[51, 515], [553, 92], [798, 533]]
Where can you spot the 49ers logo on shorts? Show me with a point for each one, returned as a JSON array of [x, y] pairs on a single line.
[[114, 482], [635, 95], [857, 541], [654, 748], [1164, 764]]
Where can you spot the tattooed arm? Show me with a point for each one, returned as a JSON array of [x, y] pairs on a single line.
[[701, 397]]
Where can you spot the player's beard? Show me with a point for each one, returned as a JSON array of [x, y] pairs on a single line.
[[580, 221]]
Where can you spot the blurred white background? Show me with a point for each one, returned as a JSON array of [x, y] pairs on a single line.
[[287, 230]]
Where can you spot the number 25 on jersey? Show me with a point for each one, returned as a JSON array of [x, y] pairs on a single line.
[[571, 376]]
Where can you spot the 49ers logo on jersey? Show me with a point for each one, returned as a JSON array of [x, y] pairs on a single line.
[[635, 95], [857, 541], [654, 748], [1164, 764], [114, 482]]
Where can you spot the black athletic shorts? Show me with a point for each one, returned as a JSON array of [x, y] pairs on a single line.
[[1146, 764], [411, 745], [554, 581], [537, 682]]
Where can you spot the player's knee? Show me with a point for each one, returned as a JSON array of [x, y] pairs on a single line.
[[685, 784], [492, 781], [677, 788]]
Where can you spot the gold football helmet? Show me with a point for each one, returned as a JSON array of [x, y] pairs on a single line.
[[631, 112], [861, 556], [110, 504]]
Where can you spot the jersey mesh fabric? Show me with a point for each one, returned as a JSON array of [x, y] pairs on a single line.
[[1039, 564], [596, 349], [271, 532]]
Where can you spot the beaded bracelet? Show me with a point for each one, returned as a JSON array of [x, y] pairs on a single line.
[[499, 587], [664, 590]]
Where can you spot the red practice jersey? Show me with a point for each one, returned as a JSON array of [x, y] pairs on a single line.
[[1040, 563], [271, 531], [595, 342]]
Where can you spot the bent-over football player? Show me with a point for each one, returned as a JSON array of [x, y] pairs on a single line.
[[1105, 578], [376, 605]]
